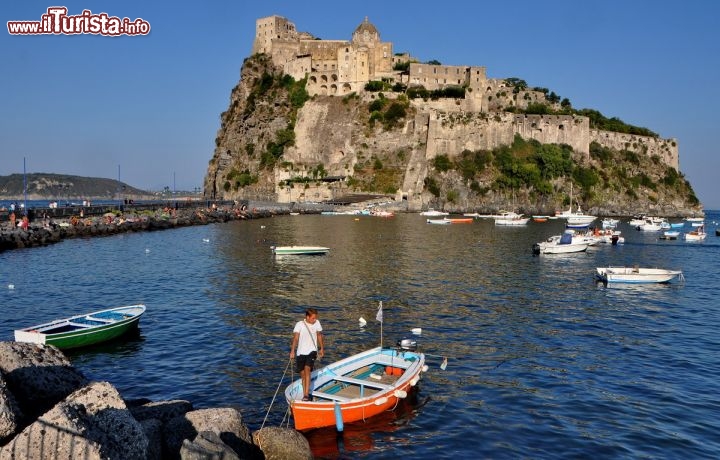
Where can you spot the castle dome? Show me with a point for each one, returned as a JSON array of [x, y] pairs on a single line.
[[366, 32]]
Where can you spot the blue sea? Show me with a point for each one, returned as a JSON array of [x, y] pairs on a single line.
[[543, 362]]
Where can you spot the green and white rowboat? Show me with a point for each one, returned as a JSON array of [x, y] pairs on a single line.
[[83, 330], [299, 250]]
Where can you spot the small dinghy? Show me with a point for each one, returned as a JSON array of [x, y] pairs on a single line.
[[82, 330]]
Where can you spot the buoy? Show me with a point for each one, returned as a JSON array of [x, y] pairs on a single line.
[[362, 322], [414, 380], [416, 330], [146, 250], [425, 368], [376, 377], [11, 286], [443, 366], [206, 240], [397, 371], [402, 394], [381, 401], [389, 370]]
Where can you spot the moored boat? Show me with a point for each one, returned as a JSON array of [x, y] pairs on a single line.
[[696, 235], [299, 250], [434, 213], [514, 220], [670, 235], [459, 220], [83, 330], [559, 244], [636, 275], [355, 388]]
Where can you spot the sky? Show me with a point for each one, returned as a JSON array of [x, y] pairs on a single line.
[[146, 108]]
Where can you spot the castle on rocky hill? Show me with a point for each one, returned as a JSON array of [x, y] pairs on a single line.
[[341, 67]]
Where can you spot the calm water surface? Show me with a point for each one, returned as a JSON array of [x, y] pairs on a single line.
[[543, 362]]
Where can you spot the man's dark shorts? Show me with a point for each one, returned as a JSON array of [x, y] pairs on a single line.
[[301, 361]]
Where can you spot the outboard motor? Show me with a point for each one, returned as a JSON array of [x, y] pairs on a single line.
[[536, 249], [407, 344]]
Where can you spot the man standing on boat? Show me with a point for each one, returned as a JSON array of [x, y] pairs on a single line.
[[308, 339]]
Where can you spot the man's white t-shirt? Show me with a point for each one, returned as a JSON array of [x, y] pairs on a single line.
[[307, 343]]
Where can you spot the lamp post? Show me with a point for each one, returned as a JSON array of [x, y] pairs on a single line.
[[25, 212], [118, 191]]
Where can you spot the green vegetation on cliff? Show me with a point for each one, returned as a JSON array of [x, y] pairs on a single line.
[[541, 170]]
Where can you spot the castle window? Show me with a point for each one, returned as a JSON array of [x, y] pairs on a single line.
[[561, 127]]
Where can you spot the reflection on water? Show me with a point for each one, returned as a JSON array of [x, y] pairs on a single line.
[[365, 436], [539, 355]]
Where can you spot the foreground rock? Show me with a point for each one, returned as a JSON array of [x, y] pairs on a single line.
[[91, 423], [48, 409]]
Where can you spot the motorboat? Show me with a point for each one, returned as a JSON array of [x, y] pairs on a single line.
[[636, 275], [559, 244]]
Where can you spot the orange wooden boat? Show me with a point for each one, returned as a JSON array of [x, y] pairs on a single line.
[[459, 220], [356, 388]]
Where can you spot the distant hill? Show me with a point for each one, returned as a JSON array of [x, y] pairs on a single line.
[[44, 186]]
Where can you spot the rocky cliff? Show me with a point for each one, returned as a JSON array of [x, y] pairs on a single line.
[[275, 143]]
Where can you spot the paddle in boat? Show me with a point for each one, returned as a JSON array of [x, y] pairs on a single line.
[[636, 275], [299, 250], [356, 388], [82, 330]]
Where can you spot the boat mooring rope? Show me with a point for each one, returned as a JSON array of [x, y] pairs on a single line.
[[275, 395]]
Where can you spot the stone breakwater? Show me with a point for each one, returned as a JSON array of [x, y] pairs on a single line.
[[43, 232], [49, 409]]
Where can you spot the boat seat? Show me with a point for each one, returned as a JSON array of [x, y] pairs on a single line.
[[329, 396], [367, 383]]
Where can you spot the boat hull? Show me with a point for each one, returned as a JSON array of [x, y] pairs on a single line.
[[299, 250], [551, 248], [84, 330], [332, 403]]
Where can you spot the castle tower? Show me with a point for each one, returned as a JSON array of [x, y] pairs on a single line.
[[269, 29], [366, 38]]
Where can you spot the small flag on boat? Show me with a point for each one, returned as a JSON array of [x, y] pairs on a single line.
[[379, 315], [443, 366]]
